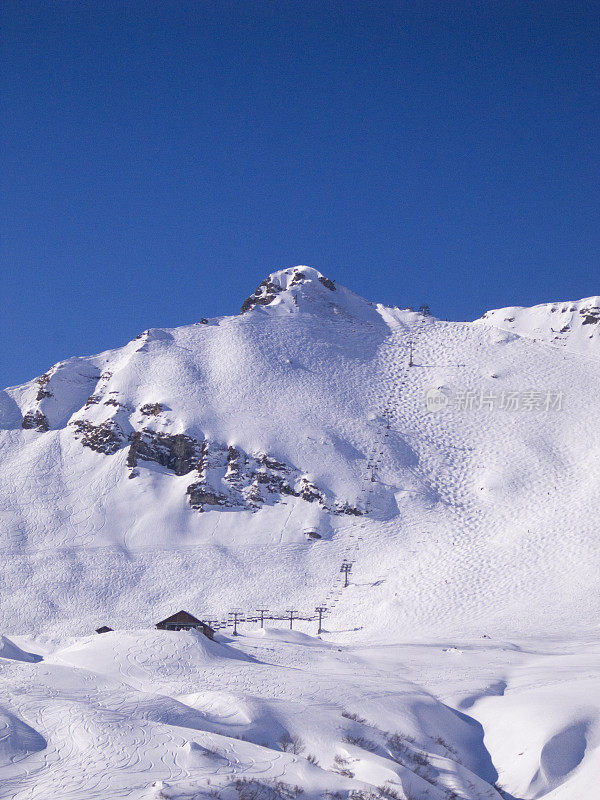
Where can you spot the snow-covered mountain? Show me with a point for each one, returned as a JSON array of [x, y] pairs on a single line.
[[237, 464], [198, 459]]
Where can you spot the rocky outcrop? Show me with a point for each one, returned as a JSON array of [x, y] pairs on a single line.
[[310, 493], [35, 420], [151, 409], [264, 294], [273, 475], [346, 508], [224, 475], [42, 382], [236, 461], [92, 400], [591, 315], [176, 452], [229, 476], [107, 438], [327, 283], [199, 496], [283, 281]]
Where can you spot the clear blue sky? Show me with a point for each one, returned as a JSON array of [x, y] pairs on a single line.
[[160, 158]]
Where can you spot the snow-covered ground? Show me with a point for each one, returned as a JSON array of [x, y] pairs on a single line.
[[150, 714], [456, 465]]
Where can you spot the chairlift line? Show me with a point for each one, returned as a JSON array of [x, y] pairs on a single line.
[[366, 492]]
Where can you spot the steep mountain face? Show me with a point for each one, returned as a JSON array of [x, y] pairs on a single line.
[[158, 400], [238, 460]]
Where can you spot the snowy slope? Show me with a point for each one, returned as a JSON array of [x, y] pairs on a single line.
[[185, 469], [160, 714], [574, 325]]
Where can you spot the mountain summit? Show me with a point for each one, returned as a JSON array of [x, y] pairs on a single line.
[[306, 290], [289, 285]]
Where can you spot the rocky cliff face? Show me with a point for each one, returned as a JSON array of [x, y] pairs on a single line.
[[224, 475]]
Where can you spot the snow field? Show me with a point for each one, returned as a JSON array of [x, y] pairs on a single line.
[[133, 713]]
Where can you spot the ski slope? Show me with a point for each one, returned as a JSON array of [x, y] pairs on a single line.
[[472, 518], [155, 714], [454, 464]]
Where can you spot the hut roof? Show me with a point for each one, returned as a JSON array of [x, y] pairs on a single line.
[[181, 618]]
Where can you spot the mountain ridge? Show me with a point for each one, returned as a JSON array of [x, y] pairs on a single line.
[[280, 291]]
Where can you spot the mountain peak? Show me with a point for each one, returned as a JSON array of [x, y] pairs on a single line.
[[292, 281], [296, 276]]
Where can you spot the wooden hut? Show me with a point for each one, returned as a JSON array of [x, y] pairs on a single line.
[[182, 621]]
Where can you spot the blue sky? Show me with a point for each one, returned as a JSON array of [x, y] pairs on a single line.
[[160, 158]]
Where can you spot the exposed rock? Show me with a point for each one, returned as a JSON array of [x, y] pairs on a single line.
[[225, 475], [35, 420], [92, 400], [252, 494], [327, 283], [42, 382], [309, 492], [151, 409], [272, 463], [591, 316], [199, 496], [312, 535], [265, 293], [177, 452], [233, 464], [106, 438], [239, 480], [297, 278], [346, 508], [268, 290], [132, 453]]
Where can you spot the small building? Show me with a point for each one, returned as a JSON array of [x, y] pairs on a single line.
[[310, 533], [104, 629], [182, 621]]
